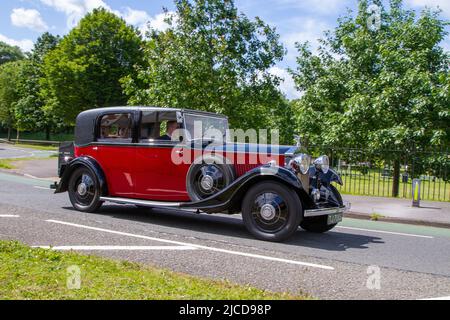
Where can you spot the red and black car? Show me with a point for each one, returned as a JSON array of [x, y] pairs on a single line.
[[158, 157]]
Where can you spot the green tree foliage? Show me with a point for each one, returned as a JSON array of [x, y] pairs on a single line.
[[84, 70], [29, 112], [9, 53], [9, 93], [377, 89], [215, 59]]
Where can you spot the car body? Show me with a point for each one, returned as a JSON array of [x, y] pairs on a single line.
[[121, 155]]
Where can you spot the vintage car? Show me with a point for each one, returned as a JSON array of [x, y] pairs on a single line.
[[125, 155]]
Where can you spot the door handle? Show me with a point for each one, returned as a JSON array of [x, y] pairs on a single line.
[[180, 152]]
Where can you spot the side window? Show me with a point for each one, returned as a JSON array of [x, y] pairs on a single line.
[[116, 127], [160, 126]]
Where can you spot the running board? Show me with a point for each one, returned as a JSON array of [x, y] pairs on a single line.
[[144, 203]]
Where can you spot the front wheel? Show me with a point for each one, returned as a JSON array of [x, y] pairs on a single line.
[[271, 211], [84, 190]]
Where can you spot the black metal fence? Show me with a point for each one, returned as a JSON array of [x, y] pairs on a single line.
[[373, 173]]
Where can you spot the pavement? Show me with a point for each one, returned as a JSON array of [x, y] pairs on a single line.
[[431, 213], [359, 259]]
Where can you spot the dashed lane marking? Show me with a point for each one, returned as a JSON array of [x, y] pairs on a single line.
[[387, 232], [118, 248], [237, 253]]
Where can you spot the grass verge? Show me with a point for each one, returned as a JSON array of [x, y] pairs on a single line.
[[30, 273], [9, 163], [36, 147]]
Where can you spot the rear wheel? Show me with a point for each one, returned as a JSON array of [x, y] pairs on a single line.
[[84, 190], [271, 211], [207, 178]]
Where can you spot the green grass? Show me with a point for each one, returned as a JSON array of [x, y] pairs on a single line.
[[6, 164], [9, 163], [372, 184], [36, 147], [30, 273], [40, 136]]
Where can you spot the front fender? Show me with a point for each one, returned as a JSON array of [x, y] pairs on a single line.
[[88, 162], [329, 177], [231, 196]]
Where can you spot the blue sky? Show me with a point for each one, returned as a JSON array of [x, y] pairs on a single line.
[[22, 21]]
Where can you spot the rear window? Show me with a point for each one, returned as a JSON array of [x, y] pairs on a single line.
[[116, 127]]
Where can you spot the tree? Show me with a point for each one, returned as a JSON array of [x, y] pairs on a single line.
[[84, 70], [9, 75], [29, 109], [377, 87], [9, 53], [212, 58]]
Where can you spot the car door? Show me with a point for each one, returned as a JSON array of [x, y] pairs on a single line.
[[158, 177], [116, 152]]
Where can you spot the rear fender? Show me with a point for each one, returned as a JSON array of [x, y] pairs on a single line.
[[91, 164]]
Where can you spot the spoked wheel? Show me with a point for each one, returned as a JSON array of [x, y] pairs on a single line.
[[271, 211], [206, 179], [84, 191]]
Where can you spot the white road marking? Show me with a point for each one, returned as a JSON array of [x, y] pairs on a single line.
[[238, 253], [118, 248], [9, 216], [44, 188], [387, 232], [436, 299]]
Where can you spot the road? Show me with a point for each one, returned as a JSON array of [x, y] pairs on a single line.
[[413, 261], [10, 151]]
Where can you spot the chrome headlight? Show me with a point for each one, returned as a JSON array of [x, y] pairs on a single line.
[[322, 163], [301, 163]]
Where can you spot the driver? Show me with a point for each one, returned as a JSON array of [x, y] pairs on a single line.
[[171, 127]]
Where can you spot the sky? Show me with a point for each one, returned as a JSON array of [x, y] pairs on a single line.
[[22, 21]]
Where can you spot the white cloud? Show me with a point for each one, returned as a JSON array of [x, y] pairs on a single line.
[[443, 4], [302, 30], [316, 6], [75, 9], [287, 85], [25, 44], [143, 20], [28, 18]]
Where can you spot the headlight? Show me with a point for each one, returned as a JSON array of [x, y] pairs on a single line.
[[301, 163], [322, 163]]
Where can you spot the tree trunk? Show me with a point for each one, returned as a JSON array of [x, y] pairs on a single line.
[[17, 135], [396, 179], [47, 133], [9, 133]]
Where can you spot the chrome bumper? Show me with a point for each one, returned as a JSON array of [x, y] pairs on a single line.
[[327, 211]]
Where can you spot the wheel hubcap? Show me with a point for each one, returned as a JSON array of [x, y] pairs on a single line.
[[207, 182], [268, 212], [82, 189]]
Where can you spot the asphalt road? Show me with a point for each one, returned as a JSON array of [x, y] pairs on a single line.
[[11, 151], [413, 261]]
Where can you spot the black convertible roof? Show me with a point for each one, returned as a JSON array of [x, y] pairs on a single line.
[[85, 122]]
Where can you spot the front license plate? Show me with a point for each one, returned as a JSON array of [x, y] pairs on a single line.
[[335, 218]]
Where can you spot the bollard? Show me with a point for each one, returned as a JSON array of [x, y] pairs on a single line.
[[416, 193]]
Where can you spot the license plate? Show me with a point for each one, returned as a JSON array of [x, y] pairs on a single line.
[[335, 218]]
